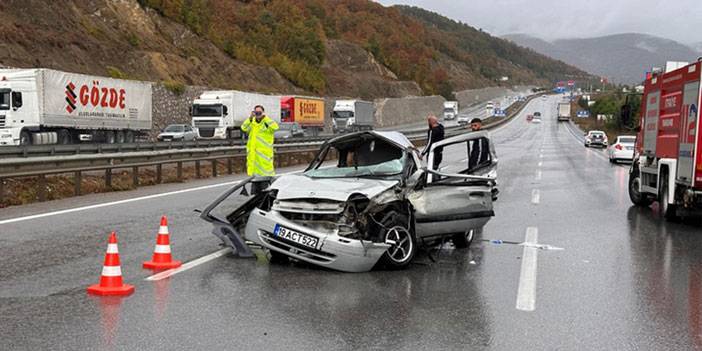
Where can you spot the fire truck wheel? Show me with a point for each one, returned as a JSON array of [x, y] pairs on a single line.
[[635, 195], [667, 210]]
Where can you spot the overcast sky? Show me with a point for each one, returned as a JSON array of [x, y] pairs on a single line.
[[551, 19]]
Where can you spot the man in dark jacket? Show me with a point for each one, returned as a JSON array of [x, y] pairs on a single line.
[[434, 135]]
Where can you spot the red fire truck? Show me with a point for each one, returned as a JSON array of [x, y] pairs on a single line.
[[667, 164]]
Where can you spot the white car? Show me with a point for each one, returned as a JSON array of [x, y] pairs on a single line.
[[463, 119], [622, 149], [595, 138]]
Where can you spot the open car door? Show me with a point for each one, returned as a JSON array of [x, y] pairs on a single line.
[[457, 196]]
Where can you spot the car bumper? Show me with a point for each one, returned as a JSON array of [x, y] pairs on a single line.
[[596, 143], [627, 155], [333, 251]]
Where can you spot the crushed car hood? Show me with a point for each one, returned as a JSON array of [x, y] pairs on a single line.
[[338, 189]]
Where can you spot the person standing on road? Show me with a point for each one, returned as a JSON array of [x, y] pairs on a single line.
[[476, 124], [259, 147], [434, 135]]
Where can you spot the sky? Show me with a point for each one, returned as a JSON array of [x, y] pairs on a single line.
[[679, 20]]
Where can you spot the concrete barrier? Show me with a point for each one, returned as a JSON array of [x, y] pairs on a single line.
[[407, 110]]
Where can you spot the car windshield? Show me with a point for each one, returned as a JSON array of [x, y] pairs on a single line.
[[627, 140], [207, 110], [361, 157], [5, 100], [174, 129], [597, 134]]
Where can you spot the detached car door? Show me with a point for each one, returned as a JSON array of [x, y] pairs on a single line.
[[457, 196]]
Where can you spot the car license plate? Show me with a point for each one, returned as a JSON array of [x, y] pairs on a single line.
[[299, 238]]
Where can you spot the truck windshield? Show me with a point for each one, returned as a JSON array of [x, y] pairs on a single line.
[[343, 114], [207, 110], [448, 109], [4, 99], [285, 115]]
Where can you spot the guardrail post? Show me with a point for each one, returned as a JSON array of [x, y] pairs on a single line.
[[197, 169], [41, 192], [230, 165], [135, 177], [108, 179], [159, 172], [179, 171], [214, 168], [77, 179]]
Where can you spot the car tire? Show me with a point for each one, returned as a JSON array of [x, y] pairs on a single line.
[[397, 232], [278, 258], [668, 211], [463, 240]]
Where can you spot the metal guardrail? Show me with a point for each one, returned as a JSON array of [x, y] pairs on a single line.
[[102, 161], [78, 149]]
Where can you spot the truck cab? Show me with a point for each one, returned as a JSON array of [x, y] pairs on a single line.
[[16, 119], [450, 110], [208, 114], [353, 116], [667, 163]]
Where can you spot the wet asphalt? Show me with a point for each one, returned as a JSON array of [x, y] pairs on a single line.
[[624, 280]]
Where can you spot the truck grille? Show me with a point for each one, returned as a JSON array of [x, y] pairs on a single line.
[[206, 123], [2, 121], [206, 132]]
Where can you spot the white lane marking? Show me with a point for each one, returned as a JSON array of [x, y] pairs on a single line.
[[526, 293], [540, 163], [90, 207], [538, 175], [188, 265], [535, 196], [541, 155]]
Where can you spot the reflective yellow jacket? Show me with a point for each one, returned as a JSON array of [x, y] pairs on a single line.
[[259, 148]]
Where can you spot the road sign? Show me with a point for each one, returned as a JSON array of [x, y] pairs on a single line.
[[571, 83], [582, 114]]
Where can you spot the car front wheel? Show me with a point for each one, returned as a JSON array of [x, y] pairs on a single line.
[[397, 232]]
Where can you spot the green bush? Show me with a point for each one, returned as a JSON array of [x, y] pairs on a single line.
[[174, 86], [115, 72]]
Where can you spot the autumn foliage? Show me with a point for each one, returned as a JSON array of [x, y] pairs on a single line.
[[290, 36]]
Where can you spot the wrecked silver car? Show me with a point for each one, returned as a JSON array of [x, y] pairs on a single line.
[[366, 201]]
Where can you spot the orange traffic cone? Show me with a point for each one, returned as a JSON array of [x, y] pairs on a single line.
[[162, 252], [111, 278]]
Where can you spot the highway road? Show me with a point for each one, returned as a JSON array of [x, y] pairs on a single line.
[[612, 277]]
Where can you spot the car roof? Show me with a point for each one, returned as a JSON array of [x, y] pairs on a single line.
[[396, 138]]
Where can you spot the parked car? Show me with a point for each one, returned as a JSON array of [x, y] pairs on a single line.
[[289, 130], [365, 201], [622, 149], [177, 132], [595, 138]]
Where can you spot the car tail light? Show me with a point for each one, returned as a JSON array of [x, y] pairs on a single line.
[[618, 146]]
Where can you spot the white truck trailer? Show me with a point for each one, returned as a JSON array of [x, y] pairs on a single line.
[[450, 110], [353, 115], [43, 106], [563, 111], [220, 114]]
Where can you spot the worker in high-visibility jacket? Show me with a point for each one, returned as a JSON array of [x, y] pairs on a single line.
[[259, 148]]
